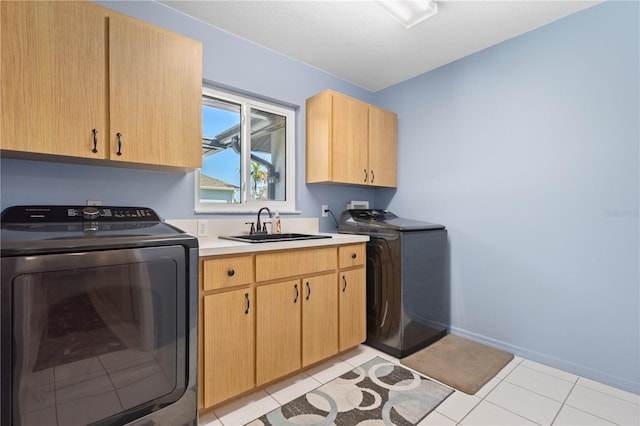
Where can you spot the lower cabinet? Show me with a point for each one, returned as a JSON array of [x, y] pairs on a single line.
[[278, 330], [296, 324], [319, 318], [292, 309], [352, 308], [229, 351]]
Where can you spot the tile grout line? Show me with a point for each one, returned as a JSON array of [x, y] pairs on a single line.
[[565, 400], [502, 379], [564, 403], [610, 395], [520, 364], [540, 371]]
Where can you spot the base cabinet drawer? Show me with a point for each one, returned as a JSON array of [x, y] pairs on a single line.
[[352, 255], [227, 272], [282, 264]]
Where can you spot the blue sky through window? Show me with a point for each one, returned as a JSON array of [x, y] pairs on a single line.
[[223, 165]]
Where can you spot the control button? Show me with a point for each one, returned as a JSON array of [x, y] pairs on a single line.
[[90, 213]]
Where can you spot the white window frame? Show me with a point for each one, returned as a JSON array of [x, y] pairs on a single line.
[[247, 205]]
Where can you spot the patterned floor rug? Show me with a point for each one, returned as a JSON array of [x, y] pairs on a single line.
[[376, 393]]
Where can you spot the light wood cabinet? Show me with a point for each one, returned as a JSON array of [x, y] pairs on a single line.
[[290, 263], [53, 87], [383, 150], [352, 282], [226, 272], [276, 313], [278, 330], [350, 142], [129, 93], [350, 157], [228, 345], [352, 255], [319, 318], [155, 80], [352, 308]]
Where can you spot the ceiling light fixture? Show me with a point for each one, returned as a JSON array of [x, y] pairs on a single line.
[[409, 13]]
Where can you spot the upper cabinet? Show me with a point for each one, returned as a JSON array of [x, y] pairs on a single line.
[[80, 81], [383, 147], [349, 141], [54, 87], [155, 105]]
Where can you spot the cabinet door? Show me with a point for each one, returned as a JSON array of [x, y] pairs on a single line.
[[383, 130], [318, 132], [352, 308], [278, 330], [155, 95], [229, 352], [319, 318], [54, 78], [350, 141]]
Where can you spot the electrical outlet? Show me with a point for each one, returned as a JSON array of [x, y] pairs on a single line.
[[325, 207], [94, 202], [203, 228]]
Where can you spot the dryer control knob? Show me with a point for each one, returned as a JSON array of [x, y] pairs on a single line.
[[90, 213]]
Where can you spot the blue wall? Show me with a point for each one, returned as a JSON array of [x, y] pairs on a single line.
[[527, 151]]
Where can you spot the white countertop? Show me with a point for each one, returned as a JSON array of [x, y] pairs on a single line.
[[217, 246], [211, 245]]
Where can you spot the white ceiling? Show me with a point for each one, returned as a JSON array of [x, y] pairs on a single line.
[[358, 42]]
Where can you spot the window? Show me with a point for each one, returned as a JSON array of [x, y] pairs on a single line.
[[247, 155]]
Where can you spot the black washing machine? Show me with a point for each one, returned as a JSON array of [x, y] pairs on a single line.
[[99, 314], [408, 295]]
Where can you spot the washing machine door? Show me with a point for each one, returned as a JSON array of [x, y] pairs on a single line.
[[383, 287], [110, 322]]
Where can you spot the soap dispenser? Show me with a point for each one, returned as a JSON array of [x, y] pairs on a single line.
[[277, 227]]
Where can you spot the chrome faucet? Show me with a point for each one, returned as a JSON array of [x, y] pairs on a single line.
[[264, 226]]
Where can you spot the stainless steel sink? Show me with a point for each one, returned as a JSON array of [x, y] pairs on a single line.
[[272, 238]]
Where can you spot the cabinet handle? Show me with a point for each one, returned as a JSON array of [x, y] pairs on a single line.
[[373, 176], [353, 255], [95, 141], [345, 283], [246, 296], [366, 176], [231, 272], [308, 290], [119, 135], [297, 293]]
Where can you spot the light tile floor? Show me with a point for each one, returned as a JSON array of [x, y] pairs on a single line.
[[523, 393]]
